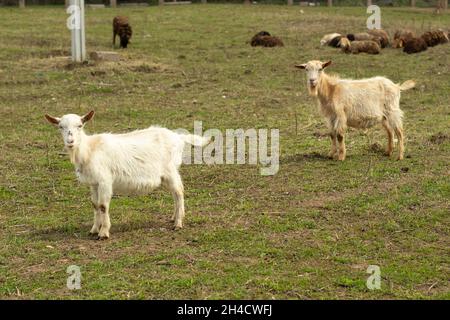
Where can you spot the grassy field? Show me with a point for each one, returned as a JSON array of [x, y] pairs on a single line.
[[308, 232]]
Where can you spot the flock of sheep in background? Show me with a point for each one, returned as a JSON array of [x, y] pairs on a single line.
[[370, 42], [373, 41]]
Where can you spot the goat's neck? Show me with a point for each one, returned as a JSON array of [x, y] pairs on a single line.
[[325, 87], [79, 154]]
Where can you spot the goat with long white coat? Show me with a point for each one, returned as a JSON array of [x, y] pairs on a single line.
[[356, 103], [130, 163]]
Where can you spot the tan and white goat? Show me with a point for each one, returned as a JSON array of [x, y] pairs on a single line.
[[130, 163], [356, 103]]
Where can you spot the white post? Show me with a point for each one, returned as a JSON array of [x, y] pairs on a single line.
[[76, 10], [82, 32], [21, 3]]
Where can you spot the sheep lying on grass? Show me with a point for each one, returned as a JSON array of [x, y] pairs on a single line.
[[331, 39], [130, 163], [415, 45], [433, 38], [356, 103], [122, 28], [265, 39], [355, 47], [401, 37], [407, 40], [382, 35], [364, 36]]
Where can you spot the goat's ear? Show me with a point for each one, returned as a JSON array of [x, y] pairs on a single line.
[[301, 66], [87, 116], [52, 120], [326, 64]]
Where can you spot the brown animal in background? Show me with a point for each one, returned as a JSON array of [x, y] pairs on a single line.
[[415, 45], [384, 37], [433, 38], [122, 28], [401, 37], [363, 36], [355, 47], [265, 39]]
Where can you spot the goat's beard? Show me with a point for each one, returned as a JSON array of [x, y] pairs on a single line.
[[312, 90]]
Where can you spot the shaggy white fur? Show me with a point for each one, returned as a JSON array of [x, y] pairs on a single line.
[[130, 163], [356, 103]]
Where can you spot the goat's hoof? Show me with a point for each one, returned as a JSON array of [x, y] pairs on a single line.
[[400, 158], [100, 238], [92, 234], [176, 228]]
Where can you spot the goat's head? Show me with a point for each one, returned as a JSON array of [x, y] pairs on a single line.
[[71, 127], [314, 70], [124, 39]]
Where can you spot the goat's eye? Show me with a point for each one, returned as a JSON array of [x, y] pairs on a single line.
[[80, 126], [320, 70]]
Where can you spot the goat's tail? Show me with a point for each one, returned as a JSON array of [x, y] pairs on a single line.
[[195, 140], [408, 84]]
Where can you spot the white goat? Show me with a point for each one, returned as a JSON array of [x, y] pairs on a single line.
[[356, 103], [130, 163]]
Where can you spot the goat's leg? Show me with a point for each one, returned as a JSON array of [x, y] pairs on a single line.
[[176, 187], [396, 123], [340, 125], [333, 151], [401, 148], [114, 38], [97, 221], [390, 134], [341, 149], [104, 198], [179, 208]]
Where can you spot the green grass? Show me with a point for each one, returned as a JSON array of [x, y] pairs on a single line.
[[309, 232]]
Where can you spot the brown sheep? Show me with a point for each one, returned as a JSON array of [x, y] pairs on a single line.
[[401, 37], [384, 37], [122, 28], [415, 45], [264, 39], [363, 36], [433, 38], [367, 46]]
